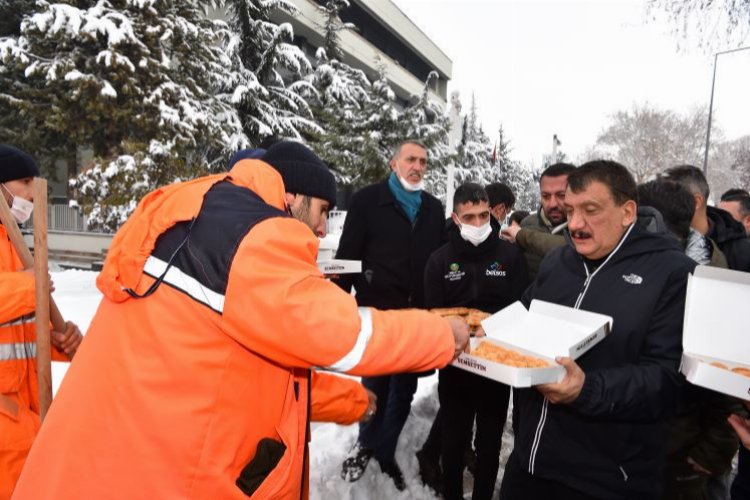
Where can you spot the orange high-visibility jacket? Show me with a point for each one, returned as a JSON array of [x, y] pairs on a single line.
[[19, 392], [199, 389]]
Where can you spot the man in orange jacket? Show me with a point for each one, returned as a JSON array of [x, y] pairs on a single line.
[[194, 379], [19, 393]]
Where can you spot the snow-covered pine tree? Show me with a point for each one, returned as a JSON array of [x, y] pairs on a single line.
[[138, 82], [11, 14], [523, 181], [426, 122], [474, 152], [342, 94], [268, 92], [378, 130]]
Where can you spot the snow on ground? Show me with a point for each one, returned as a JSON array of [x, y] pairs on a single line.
[[78, 298], [331, 443]]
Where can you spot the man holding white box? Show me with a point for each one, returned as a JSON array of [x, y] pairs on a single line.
[[599, 432]]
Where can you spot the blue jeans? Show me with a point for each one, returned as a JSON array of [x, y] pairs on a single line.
[[381, 432]]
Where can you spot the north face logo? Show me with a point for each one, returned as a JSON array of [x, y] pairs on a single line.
[[633, 279]]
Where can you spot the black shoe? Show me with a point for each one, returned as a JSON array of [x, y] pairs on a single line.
[[392, 469], [429, 470], [470, 460], [356, 462]]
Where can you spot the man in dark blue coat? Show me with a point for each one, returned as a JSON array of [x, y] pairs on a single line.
[[392, 227], [599, 433], [474, 269]]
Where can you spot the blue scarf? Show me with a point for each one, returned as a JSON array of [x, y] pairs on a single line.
[[410, 201]]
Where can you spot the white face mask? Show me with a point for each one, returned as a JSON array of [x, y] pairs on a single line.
[[475, 235], [21, 209], [411, 187]]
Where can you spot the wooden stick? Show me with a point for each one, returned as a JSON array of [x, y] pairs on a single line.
[[41, 275], [25, 255]]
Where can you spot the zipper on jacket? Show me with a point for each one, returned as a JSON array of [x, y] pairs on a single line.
[[474, 285], [624, 474], [579, 300], [307, 433], [538, 435]]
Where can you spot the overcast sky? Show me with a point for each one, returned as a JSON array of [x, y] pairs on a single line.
[[561, 67]]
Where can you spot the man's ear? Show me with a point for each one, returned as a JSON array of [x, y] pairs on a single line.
[[498, 209], [289, 198], [630, 212], [455, 219], [699, 201]]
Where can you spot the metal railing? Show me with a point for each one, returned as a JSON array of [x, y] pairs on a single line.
[[62, 218], [65, 218]]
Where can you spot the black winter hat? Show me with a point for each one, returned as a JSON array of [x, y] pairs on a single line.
[[15, 164], [302, 171]]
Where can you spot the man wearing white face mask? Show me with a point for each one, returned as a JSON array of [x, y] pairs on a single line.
[[392, 227], [479, 270], [20, 207], [19, 393]]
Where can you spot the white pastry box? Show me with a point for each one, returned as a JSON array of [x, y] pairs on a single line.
[[716, 334], [340, 266], [545, 331]]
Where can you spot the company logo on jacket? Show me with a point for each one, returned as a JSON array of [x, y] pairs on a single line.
[[455, 272], [496, 269], [633, 279]]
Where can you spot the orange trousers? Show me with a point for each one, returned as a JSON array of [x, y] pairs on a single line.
[[18, 428]]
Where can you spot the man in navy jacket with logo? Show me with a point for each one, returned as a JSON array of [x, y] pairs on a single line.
[[479, 270], [599, 433]]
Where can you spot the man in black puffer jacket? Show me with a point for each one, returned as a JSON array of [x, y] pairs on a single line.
[[599, 433]]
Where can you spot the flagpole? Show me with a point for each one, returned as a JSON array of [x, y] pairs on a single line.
[[554, 149]]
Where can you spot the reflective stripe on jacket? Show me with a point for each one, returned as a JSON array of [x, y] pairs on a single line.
[[19, 393]]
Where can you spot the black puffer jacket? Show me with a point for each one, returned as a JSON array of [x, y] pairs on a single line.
[[392, 250], [731, 238], [609, 442]]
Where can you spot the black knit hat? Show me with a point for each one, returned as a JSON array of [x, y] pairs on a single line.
[[15, 164], [302, 171]]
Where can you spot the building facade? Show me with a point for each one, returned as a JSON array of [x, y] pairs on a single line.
[[385, 35]]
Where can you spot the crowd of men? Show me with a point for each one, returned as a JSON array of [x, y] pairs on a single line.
[[207, 358]]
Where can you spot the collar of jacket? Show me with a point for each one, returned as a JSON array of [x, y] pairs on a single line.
[[638, 240], [544, 221], [385, 197], [163, 208], [723, 227]]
